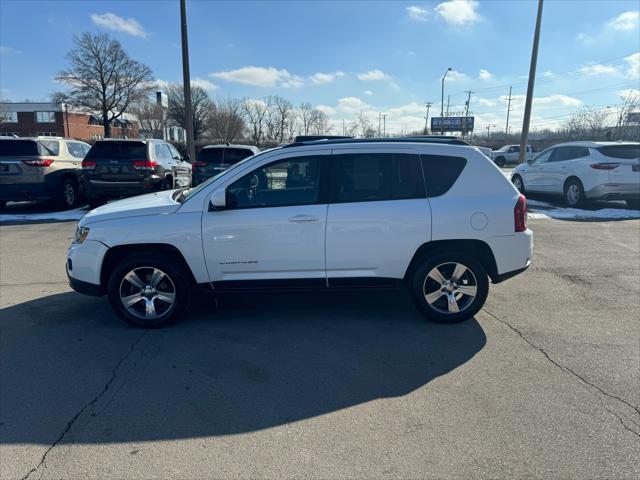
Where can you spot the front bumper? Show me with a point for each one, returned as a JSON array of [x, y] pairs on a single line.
[[85, 288], [84, 264]]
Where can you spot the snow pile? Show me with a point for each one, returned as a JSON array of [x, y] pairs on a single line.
[[538, 209]]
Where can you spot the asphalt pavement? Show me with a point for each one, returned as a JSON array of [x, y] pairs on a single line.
[[543, 383]]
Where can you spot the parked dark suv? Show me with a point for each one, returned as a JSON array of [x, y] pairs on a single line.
[[41, 168], [124, 168], [214, 159]]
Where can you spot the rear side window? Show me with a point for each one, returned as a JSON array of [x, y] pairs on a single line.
[[118, 150], [162, 151], [628, 152], [234, 155], [369, 177], [211, 155], [18, 148], [53, 146], [441, 172]]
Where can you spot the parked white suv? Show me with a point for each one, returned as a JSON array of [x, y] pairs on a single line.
[[510, 155], [582, 171], [438, 219]]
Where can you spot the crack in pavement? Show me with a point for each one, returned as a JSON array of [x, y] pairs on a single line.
[[71, 422], [570, 371]]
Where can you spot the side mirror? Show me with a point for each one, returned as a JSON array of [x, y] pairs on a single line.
[[218, 200]]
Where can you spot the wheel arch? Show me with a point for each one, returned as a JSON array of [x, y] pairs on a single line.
[[118, 253], [476, 248], [571, 177]]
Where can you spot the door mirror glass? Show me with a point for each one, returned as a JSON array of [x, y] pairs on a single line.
[[218, 200]]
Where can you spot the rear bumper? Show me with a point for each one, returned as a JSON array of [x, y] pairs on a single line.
[[25, 191], [104, 189], [615, 191], [513, 254]]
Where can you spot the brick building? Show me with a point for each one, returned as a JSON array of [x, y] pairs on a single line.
[[29, 119]]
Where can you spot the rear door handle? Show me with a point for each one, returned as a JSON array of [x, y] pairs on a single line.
[[303, 218]]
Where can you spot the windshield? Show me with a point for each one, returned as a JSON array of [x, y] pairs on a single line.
[[186, 194]]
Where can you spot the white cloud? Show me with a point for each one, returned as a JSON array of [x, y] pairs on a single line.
[[204, 84], [326, 109], [5, 49], [598, 69], [352, 105], [417, 13], [368, 93], [625, 21], [456, 76], [112, 21], [260, 77], [485, 102], [633, 65], [373, 75], [161, 84], [319, 78], [485, 74], [458, 13]]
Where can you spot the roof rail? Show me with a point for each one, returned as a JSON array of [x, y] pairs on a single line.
[[417, 139]]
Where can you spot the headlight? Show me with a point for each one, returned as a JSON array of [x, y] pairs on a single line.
[[81, 234]]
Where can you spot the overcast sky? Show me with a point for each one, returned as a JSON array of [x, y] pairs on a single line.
[[350, 57]]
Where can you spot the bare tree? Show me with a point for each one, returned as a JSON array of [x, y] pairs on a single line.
[[102, 78], [226, 120], [279, 116], [305, 115], [587, 123], [255, 112], [200, 103], [364, 125], [320, 124], [630, 103], [152, 118]]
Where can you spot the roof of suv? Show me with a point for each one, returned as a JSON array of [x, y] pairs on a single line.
[[231, 145], [417, 139], [589, 143]]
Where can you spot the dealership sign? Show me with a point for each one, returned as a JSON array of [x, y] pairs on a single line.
[[452, 124]]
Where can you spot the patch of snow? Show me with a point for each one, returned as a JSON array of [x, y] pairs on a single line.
[[579, 214], [65, 216]]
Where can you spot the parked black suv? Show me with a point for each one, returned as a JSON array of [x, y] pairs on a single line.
[[213, 159], [124, 168]]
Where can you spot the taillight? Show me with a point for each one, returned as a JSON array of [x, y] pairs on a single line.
[[40, 162], [144, 164], [88, 164], [520, 214], [605, 166], [199, 164]]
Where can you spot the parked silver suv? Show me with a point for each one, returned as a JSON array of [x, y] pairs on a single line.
[[41, 168]]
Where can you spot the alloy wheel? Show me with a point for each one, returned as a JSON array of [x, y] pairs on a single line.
[[573, 194], [450, 288], [147, 293]]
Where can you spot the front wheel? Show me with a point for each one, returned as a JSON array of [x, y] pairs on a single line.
[[449, 287], [147, 291], [500, 161]]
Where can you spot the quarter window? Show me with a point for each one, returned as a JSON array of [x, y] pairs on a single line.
[[45, 117], [441, 172], [75, 149], [370, 177], [295, 181]]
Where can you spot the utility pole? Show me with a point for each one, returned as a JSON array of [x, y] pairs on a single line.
[[186, 79], [442, 102], [344, 130], [532, 78], [384, 123], [426, 119], [466, 113], [379, 119], [508, 111]]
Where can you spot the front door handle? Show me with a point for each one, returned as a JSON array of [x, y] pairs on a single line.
[[303, 218]]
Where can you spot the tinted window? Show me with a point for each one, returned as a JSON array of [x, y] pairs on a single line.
[[543, 157], [75, 149], [11, 148], [295, 181], [441, 172], [162, 151], [569, 153], [368, 177], [118, 150], [234, 155], [628, 152], [52, 146], [211, 155]]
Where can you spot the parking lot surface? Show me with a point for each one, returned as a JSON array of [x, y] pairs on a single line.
[[543, 382]]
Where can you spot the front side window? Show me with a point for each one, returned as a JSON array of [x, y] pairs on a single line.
[[174, 152], [543, 157], [369, 177], [294, 181], [45, 117]]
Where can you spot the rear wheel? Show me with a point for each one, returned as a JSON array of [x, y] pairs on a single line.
[[148, 291], [500, 161], [518, 183], [635, 204], [2, 204], [449, 287], [68, 195], [574, 193]]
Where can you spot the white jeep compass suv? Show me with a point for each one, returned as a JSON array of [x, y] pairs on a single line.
[[437, 218]]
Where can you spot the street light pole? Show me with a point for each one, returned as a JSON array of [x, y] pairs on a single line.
[[532, 78], [186, 80], [442, 103]]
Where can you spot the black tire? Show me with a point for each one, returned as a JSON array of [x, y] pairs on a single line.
[[176, 281], [2, 204], [500, 161], [96, 202], [69, 195], [635, 204], [167, 184], [421, 285], [574, 193], [518, 183]]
